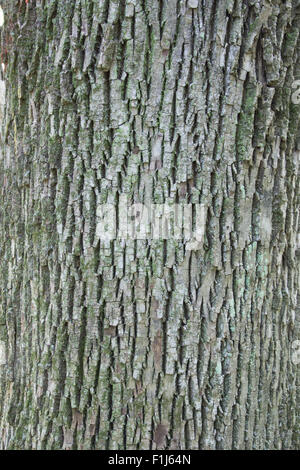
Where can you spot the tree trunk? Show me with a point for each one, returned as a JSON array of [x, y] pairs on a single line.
[[149, 343]]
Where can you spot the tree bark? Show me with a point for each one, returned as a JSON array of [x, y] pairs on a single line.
[[144, 343]]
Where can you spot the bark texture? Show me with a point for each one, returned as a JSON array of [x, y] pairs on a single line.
[[143, 344]]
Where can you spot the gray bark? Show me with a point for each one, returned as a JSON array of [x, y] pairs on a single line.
[[143, 344]]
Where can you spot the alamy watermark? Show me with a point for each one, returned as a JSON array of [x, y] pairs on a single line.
[[296, 352], [296, 93], [152, 221]]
